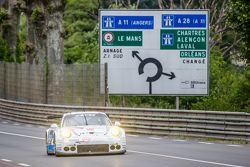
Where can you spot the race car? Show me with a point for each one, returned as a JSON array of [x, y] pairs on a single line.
[[85, 133]]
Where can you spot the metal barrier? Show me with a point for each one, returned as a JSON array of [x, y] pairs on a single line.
[[186, 123]]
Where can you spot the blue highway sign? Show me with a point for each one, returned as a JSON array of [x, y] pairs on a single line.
[[127, 22], [183, 21]]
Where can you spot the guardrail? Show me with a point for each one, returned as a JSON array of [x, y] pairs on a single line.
[[187, 123]]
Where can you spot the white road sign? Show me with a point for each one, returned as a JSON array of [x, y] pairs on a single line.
[[155, 52]]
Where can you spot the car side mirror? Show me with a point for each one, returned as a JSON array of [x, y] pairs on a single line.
[[117, 123], [54, 126]]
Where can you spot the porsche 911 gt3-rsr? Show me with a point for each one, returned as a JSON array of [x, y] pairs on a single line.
[[85, 133]]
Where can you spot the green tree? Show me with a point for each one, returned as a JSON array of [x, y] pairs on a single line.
[[4, 51], [224, 86], [243, 95], [81, 32], [21, 39], [3, 15], [239, 18]]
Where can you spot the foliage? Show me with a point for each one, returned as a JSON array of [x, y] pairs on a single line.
[[19, 50], [143, 101], [5, 54], [80, 23], [239, 18], [243, 96], [130, 4], [21, 39], [224, 86], [81, 48], [3, 15], [105, 3], [37, 15], [4, 51], [4, 48], [148, 4]]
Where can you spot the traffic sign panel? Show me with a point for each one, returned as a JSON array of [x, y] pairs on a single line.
[[155, 52], [183, 39], [122, 38], [127, 22], [184, 20]]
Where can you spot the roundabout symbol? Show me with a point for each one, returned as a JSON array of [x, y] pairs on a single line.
[[159, 72]]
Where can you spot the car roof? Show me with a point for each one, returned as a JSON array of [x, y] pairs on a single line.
[[83, 112]]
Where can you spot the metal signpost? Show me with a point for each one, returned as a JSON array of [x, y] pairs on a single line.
[[155, 52]]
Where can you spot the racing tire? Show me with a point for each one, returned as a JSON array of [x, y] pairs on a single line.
[[58, 154]]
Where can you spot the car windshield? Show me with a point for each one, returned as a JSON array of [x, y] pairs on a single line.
[[86, 119]]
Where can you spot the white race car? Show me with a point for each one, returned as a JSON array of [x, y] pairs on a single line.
[[85, 133]]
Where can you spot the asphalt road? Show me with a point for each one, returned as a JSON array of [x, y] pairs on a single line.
[[24, 145]]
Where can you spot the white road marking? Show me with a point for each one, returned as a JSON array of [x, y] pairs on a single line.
[[16, 124], [22, 164], [139, 152], [133, 135], [232, 145], [186, 159], [205, 143], [6, 160], [180, 140], [20, 135], [155, 138], [4, 122]]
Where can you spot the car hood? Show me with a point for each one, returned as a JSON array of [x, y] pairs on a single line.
[[90, 130]]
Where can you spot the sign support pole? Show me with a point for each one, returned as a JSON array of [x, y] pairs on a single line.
[[106, 85], [177, 102]]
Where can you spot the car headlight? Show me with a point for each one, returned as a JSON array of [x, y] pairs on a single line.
[[65, 133], [115, 131]]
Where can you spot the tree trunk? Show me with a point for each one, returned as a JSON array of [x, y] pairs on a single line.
[[36, 37], [45, 30], [54, 17]]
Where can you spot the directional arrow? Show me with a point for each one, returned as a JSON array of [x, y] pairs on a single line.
[[135, 54], [172, 75]]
